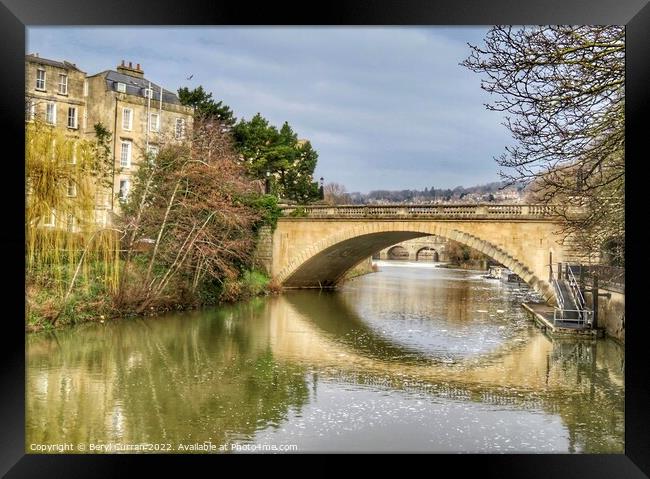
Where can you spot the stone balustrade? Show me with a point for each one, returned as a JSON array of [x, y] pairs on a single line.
[[480, 211]]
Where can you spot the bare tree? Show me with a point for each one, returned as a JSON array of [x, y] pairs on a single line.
[[336, 194], [562, 90], [191, 203]]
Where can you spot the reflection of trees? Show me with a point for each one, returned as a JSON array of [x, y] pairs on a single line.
[[594, 413], [174, 379]]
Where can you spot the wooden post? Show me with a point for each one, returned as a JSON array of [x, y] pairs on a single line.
[[550, 266], [559, 271], [594, 295]]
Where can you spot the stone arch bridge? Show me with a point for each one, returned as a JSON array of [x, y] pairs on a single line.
[[412, 250], [313, 246]]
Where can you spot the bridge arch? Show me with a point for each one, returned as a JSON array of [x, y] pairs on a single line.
[[398, 252], [323, 264], [435, 256]]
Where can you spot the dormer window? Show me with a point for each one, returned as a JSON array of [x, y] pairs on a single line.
[[148, 93], [121, 87]]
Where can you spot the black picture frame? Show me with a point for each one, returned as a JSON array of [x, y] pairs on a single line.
[[15, 15]]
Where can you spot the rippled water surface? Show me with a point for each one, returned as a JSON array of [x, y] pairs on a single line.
[[412, 358]]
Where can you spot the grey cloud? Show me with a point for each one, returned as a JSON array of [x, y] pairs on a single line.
[[384, 107]]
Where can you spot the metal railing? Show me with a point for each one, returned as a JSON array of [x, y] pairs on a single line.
[[441, 211], [574, 287], [609, 277], [585, 316], [558, 294], [577, 311]]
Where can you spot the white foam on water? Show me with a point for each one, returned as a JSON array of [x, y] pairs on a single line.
[[406, 264]]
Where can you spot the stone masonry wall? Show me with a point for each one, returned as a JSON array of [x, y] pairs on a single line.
[[264, 250], [611, 314]]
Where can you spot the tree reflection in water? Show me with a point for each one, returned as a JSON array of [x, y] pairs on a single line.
[[236, 373]]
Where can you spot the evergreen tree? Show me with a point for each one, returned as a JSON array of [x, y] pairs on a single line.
[[205, 106], [265, 149]]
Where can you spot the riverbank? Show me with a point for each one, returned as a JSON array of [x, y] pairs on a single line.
[[46, 310]]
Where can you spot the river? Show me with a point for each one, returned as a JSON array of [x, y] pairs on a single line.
[[411, 358]]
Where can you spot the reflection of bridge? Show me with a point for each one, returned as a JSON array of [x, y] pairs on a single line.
[[309, 330], [314, 246], [326, 336]]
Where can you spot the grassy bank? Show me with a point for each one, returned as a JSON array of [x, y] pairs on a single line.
[[93, 302]]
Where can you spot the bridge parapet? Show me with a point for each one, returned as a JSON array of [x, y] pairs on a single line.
[[480, 211]]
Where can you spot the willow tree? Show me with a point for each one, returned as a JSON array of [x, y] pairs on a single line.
[[66, 246], [562, 91]]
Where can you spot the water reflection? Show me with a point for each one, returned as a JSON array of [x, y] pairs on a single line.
[[193, 377], [444, 360]]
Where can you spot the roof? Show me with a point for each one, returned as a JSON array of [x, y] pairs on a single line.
[[45, 61], [137, 86]]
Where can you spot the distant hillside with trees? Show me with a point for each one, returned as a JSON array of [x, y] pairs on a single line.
[[496, 191]]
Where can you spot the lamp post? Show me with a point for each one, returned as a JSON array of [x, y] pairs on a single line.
[[267, 183], [321, 190]]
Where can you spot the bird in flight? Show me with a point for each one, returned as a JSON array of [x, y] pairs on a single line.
[[190, 77]]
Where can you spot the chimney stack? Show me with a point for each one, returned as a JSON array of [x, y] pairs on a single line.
[[136, 72]]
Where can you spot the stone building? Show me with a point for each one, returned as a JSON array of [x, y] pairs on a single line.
[[139, 117], [139, 113], [56, 93]]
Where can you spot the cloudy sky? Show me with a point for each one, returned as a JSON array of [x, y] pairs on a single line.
[[386, 108]]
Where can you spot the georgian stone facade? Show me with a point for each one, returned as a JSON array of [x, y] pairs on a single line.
[[55, 93], [139, 113]]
